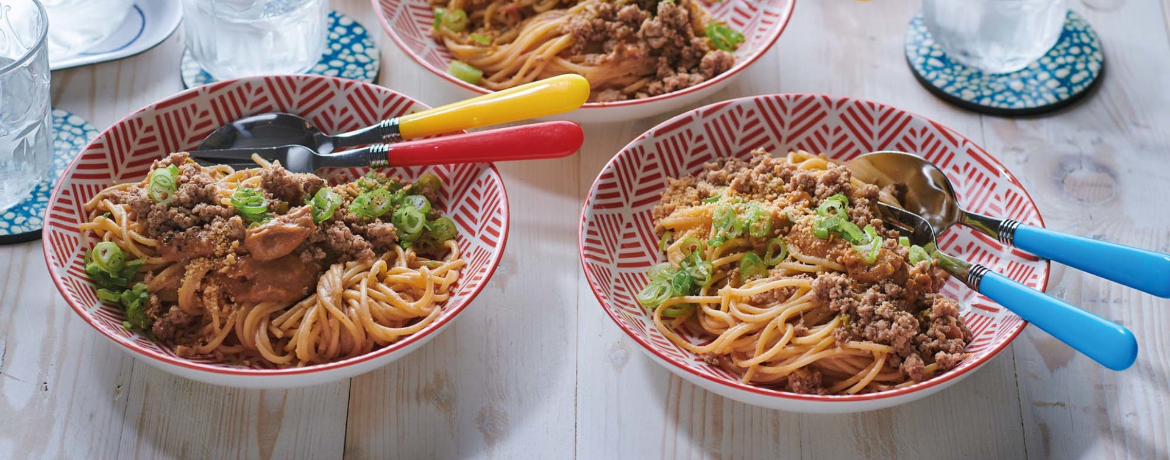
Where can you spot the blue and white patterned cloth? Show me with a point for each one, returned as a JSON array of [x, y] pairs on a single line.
[[349, 53], [1061, 75], [23, 221]]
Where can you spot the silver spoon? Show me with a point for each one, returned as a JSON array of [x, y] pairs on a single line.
[[1107, 343], [930, 195]]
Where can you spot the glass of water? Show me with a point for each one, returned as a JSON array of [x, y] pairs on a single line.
[[25, 150], [77, 25], [995, 36], [239, 38]]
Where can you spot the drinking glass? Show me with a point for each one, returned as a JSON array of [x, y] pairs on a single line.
[[995, 36], [77, 25], [25, 150], [239, 38]]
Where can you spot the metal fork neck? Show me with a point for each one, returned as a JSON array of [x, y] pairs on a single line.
[[1003, 230]]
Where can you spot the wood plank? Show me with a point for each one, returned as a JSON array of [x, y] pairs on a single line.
[[1099, 169]]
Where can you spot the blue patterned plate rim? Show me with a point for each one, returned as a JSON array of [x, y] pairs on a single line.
[[23, 221]]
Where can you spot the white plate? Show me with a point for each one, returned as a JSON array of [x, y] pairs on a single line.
[[147, 25]]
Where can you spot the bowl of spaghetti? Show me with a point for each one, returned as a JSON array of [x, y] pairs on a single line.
[[748, 260], [253, 276], [642, 58]]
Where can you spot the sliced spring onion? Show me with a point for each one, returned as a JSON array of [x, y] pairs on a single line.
[[664, 240], [711, 199], [850, 233], [823, 225], [372, 204], [751, 266], [759, 221], [675, 311], [442, 229], [723, 37], [690, 245], [465, 72], [837, 204], [661, 271], [439, 14], [455, 20], [701, 270], [108, 256], [418, 202], [409, 222], [481, 39], [872, 245], [918, 254], [431, 182], [904, 241], [654, 294], [776, 251], [106, 264], [724, 223], [251, 204], [680, 283], [163, 183], [325, 203]]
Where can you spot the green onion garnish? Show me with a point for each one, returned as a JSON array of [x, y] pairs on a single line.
[[429, 181], [712, 199], [872, 245], [325, 202], [751, 266], [904, 241], [654, 294], [759, 221], [675, 311], [455, 20], [409, 222], [163, 183], [439, 14], [442, 229], [723, 37], [777, 251], [664, 240], [918, 254], [465, 72], [106, 264], [371, 204], [419, 202], [481, 39], [251, 204]]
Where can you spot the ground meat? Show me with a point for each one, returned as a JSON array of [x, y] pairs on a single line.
[[338, 239], [771, 297], [290, 187], [805, 381], [381, 235], [662, 35], [166, 322]]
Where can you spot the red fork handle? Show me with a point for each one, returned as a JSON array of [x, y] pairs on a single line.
[[554, 139]]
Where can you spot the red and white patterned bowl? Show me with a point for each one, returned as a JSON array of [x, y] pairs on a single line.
[[618, 244], [409, 23], [474, 197]]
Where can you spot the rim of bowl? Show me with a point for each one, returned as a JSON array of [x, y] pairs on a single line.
[[42, 40], [493, 263], [735, 385], [737, 68]]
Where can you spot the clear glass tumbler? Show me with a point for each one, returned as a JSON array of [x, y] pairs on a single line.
[[239, 38], [75, 26], [25, 123], [995, 36]]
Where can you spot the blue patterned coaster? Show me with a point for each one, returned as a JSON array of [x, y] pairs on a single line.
[[349, 53], [1057, 79], [22, 222]]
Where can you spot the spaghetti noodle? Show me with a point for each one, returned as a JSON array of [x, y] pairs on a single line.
[[264, 267], [625, 49], [781, 271]]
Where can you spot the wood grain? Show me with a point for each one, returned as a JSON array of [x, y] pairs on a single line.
[[534, 368]]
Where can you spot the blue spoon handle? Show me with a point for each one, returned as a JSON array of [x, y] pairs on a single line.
[[1107, 343], [1140, 269]]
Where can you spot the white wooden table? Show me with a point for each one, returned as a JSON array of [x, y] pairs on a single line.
[[534, 369]]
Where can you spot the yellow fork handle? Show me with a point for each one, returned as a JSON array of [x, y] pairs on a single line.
[[533, 100]]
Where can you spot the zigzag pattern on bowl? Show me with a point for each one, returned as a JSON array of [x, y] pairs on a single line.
[[409, 22], [618, 243], [473, 194]]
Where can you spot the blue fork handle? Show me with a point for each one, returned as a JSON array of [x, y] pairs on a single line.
[[1140, 269], [1107, 343]]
